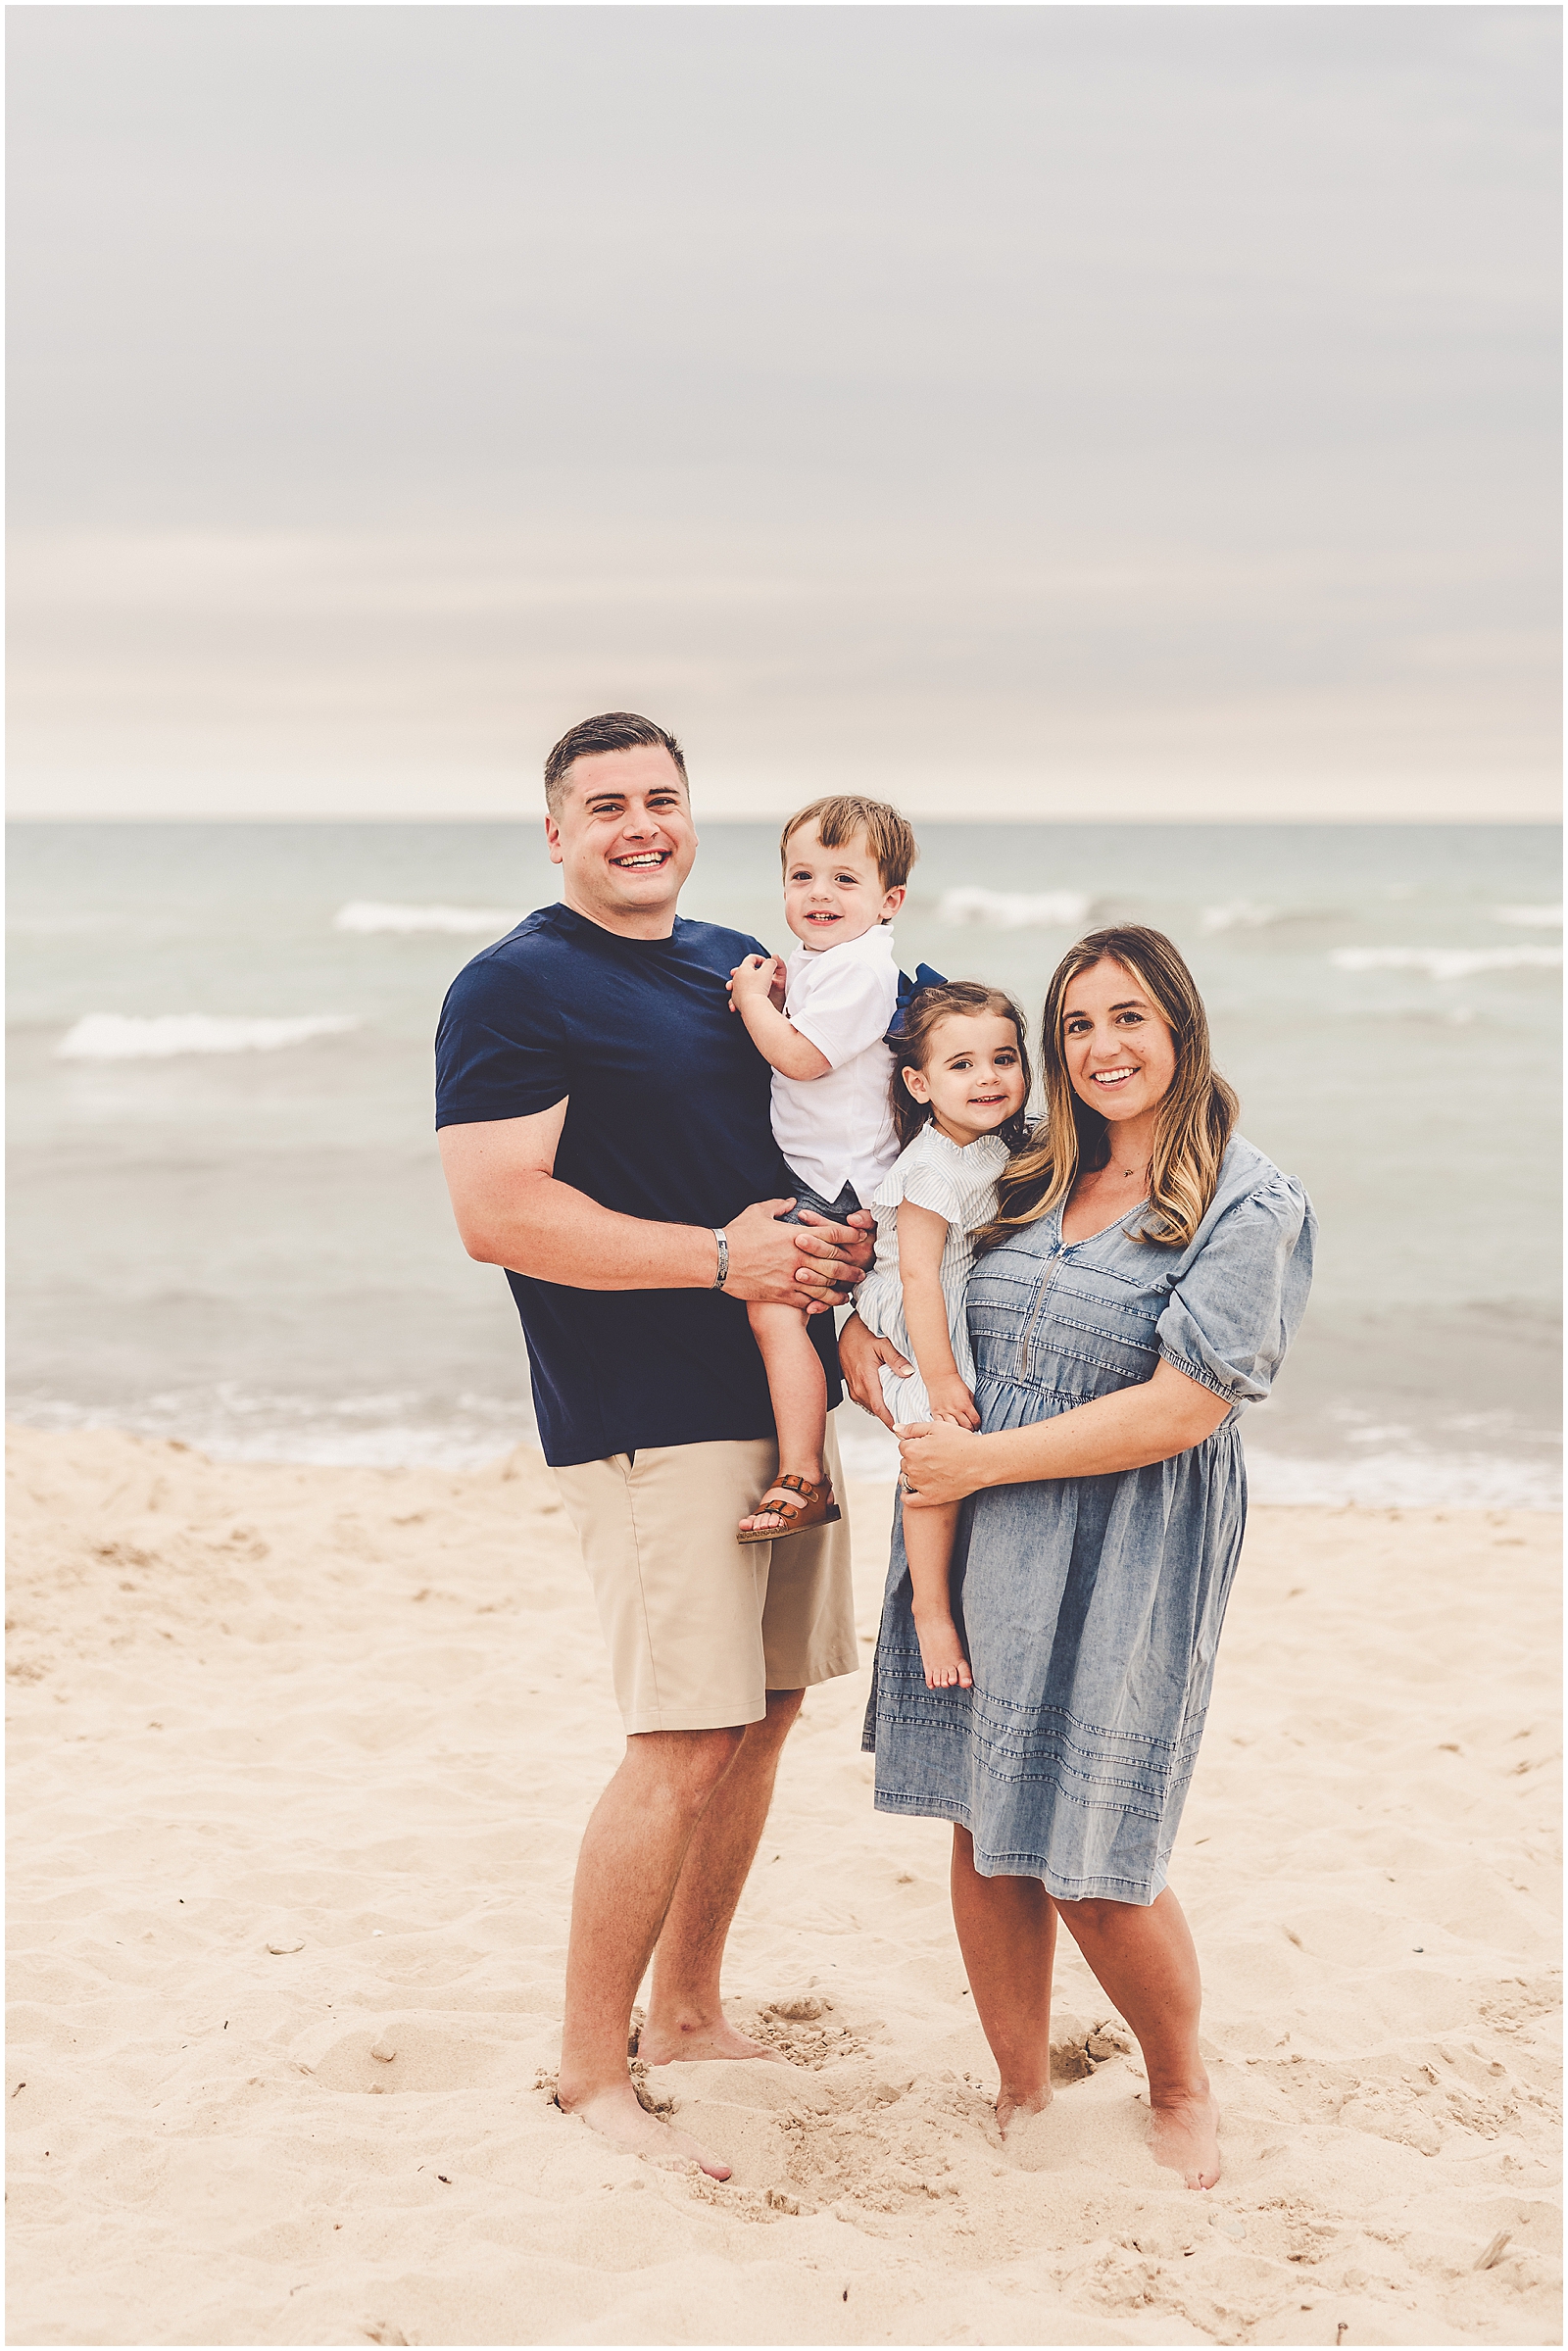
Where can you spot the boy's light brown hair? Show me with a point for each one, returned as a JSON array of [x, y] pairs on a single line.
[[843, 818]]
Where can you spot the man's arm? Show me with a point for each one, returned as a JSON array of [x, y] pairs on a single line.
[[512, 1211]]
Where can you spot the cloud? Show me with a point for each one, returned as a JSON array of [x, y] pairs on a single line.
[[1010, 405]]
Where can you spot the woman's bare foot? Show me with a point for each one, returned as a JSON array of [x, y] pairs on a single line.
[[942, 1654], [618, 2116], [1017, 2106], [1184, 2135], [768, 1518], [674, 2044]]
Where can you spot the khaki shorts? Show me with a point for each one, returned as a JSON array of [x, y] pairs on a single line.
[[700, 1627]]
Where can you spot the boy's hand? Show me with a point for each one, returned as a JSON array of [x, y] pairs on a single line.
[[952, 1401], [755, 981]]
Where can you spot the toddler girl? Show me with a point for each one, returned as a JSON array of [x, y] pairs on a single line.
[[958, 1093]]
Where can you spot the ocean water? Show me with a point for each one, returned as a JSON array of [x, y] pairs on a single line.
[[227, 1220]]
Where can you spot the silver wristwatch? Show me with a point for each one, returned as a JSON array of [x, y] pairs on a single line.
[[722, 1275]]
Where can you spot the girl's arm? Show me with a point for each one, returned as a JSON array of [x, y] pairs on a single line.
[[923, 1238], [1158, 1419], [793, 1055]]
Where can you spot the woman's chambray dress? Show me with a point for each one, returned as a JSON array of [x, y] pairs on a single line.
[[1091, 1607]]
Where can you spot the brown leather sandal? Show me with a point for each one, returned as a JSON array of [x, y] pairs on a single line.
[[815, 1508]]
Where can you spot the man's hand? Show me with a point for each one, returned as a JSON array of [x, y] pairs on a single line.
[[952, 1401], [834, 1256], [942, 1463], [861, 1353], [782, 1265]]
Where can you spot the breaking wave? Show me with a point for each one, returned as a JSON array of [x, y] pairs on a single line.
[[468, 922], [1014, 910], [1542, 918], [1243, 914], [1447, 962], [129, 1036]]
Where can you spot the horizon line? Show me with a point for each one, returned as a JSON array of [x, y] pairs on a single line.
[[981, 816]]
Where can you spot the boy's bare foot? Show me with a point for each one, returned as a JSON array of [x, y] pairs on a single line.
[[618, 2116], [1014, 2106], [942, 1654], [1184, 2135], [666, 2044]]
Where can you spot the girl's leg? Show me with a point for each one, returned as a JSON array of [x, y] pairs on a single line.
[[798, 1386], [1006, 1931], [928, 1545], [1146, 1961]]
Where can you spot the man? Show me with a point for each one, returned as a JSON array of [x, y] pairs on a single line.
[[604, 1122]]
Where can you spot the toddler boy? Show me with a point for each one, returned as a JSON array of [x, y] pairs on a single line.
[[822, 1020]]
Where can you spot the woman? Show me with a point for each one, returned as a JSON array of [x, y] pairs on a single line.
[[1144, 1274]]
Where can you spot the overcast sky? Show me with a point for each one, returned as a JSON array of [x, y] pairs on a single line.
[[1057, 410]]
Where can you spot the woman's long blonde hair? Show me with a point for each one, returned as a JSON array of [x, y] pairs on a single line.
[[1196, 1121]]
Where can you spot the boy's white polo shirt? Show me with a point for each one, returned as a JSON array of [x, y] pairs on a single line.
[[838, 1129]]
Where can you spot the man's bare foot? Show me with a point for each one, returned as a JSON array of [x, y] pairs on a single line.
[[618, 2116], [942, 1654], [673, 2044], [1017, 2106], [1184, 2135]]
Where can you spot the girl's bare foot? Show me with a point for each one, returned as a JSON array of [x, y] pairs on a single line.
[[942, 1654], [1017, 2106], [618, 2116], [1184, 2135]]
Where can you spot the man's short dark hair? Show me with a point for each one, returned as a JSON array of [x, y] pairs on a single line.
[[612, 730]]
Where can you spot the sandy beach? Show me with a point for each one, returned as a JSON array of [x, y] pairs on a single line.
[[300, 1758]]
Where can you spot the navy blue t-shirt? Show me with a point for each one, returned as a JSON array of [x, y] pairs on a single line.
[[667, 1119]]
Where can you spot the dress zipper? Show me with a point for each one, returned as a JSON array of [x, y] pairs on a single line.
[[1039, 1309]]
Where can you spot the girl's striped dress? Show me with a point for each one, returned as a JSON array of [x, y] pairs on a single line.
[[954, 1181]]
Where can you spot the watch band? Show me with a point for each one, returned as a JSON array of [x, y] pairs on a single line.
[[722, 1275]]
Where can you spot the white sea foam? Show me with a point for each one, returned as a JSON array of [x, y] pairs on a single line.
[[1448, 962], [1014, 910], [347, 1431], [468, 922], [129, 1036], [1541, 919], [1398, 1480], [1242, 915]]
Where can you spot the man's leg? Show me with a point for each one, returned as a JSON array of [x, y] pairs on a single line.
[[685, 2017], [633, 1849]]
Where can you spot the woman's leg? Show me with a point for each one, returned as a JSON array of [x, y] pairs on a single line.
[[797, 1386], [1144, 1958], [1008, 1933], [928, 1547]]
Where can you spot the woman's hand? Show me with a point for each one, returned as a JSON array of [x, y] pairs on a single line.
[[942, 1463], [952, 1401], [860, 1352]]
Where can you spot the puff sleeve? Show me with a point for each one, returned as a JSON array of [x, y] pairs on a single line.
[[1237, 1302], [929, 1187]]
